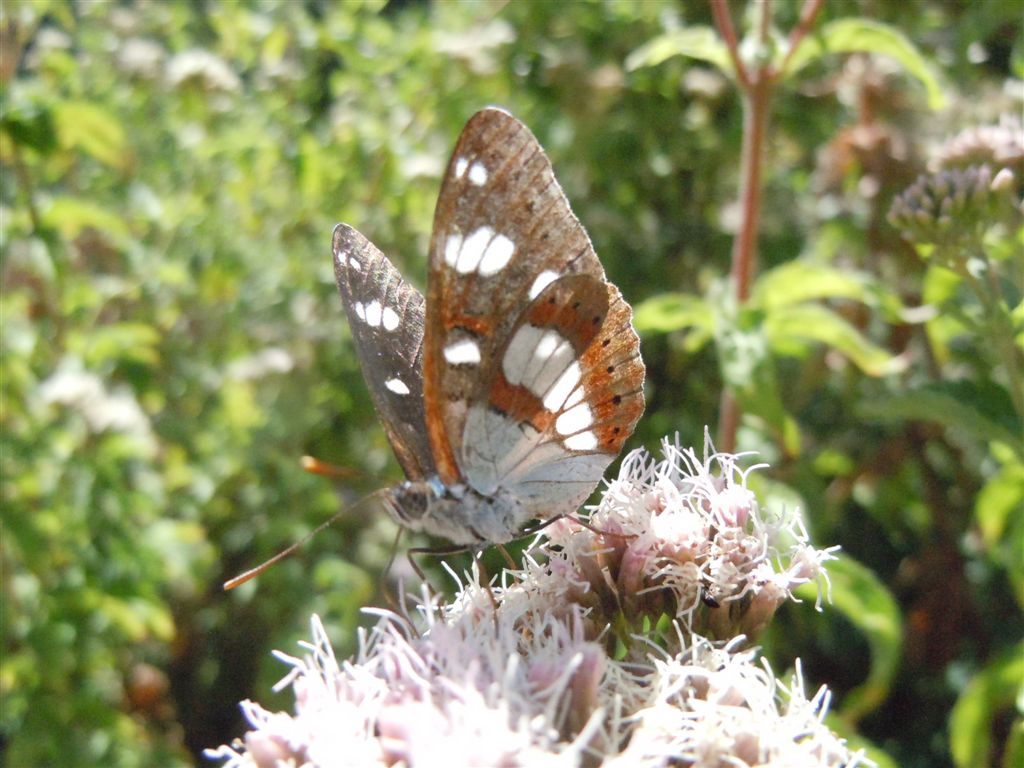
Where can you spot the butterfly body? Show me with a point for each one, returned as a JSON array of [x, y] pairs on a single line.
[[458, 513], [507, 391]]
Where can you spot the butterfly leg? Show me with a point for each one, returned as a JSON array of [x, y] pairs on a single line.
[[508, 558], [579, 521], [454, 549]]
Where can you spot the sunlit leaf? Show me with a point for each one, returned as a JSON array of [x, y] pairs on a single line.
[[92, 129], [701, 43], [71, 215], [796, 281], [859, 35], [1001, 497], [815, 323], [669, 312], [124, 342], [993, 690], [749, 370]]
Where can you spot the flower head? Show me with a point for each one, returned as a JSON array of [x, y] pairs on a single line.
[[681, 537], [585, 655], [999, 146]]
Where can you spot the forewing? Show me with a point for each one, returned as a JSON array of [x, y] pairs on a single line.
[[386, 316], [503, 231], [567, 394]]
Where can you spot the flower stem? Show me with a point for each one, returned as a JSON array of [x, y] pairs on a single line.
[[756, 87]]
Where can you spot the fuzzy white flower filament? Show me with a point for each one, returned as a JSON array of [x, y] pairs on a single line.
[[617, 645]]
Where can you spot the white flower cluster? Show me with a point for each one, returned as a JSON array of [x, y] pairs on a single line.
[[573, 660], [102, 409]]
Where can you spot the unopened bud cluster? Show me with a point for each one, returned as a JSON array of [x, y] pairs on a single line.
[[954, 207]]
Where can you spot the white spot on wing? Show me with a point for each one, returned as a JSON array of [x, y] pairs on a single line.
[[544, 279], [574, 420], [496, 256], [373, 313], [397, 386], [519, 353], [473, 249], [460, 167], [462, 352], [584, 441], [555, 397], [541, 360], [547, 345], [389, 319], [575, 397], [353, 262], [478, 174], [359, 310], [452, 246]]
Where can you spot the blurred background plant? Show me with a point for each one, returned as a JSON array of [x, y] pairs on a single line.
[[173, 342]]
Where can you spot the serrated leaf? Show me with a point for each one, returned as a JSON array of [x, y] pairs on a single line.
[[815, 323], [867, 604], [796, 282], [94, 130], [701, 43], [990, 692], [942, 408], [859, 35], [669, 312]]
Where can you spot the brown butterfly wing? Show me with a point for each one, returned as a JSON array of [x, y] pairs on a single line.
[[503, 231], [386, 317]]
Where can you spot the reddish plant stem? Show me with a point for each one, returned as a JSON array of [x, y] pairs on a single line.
[[756, 104], [808, 15], [724, 23]]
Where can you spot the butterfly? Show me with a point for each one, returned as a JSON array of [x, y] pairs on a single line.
[[507, 391]]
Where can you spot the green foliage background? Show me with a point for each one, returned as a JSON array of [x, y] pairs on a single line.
[[173, 342]]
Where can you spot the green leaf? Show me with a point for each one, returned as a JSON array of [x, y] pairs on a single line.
[[30, 125], [749, 370], [998, 500], [989, 693], [790, 327], [125, 342], [71, 215], [93, 130], [668, 312], [701, 43], [858, 35], [796, 282], [854, 741], [933, 404], [867, 604]]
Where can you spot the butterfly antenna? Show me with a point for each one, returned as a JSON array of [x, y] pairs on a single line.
[[254, 572], [315, 466]]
